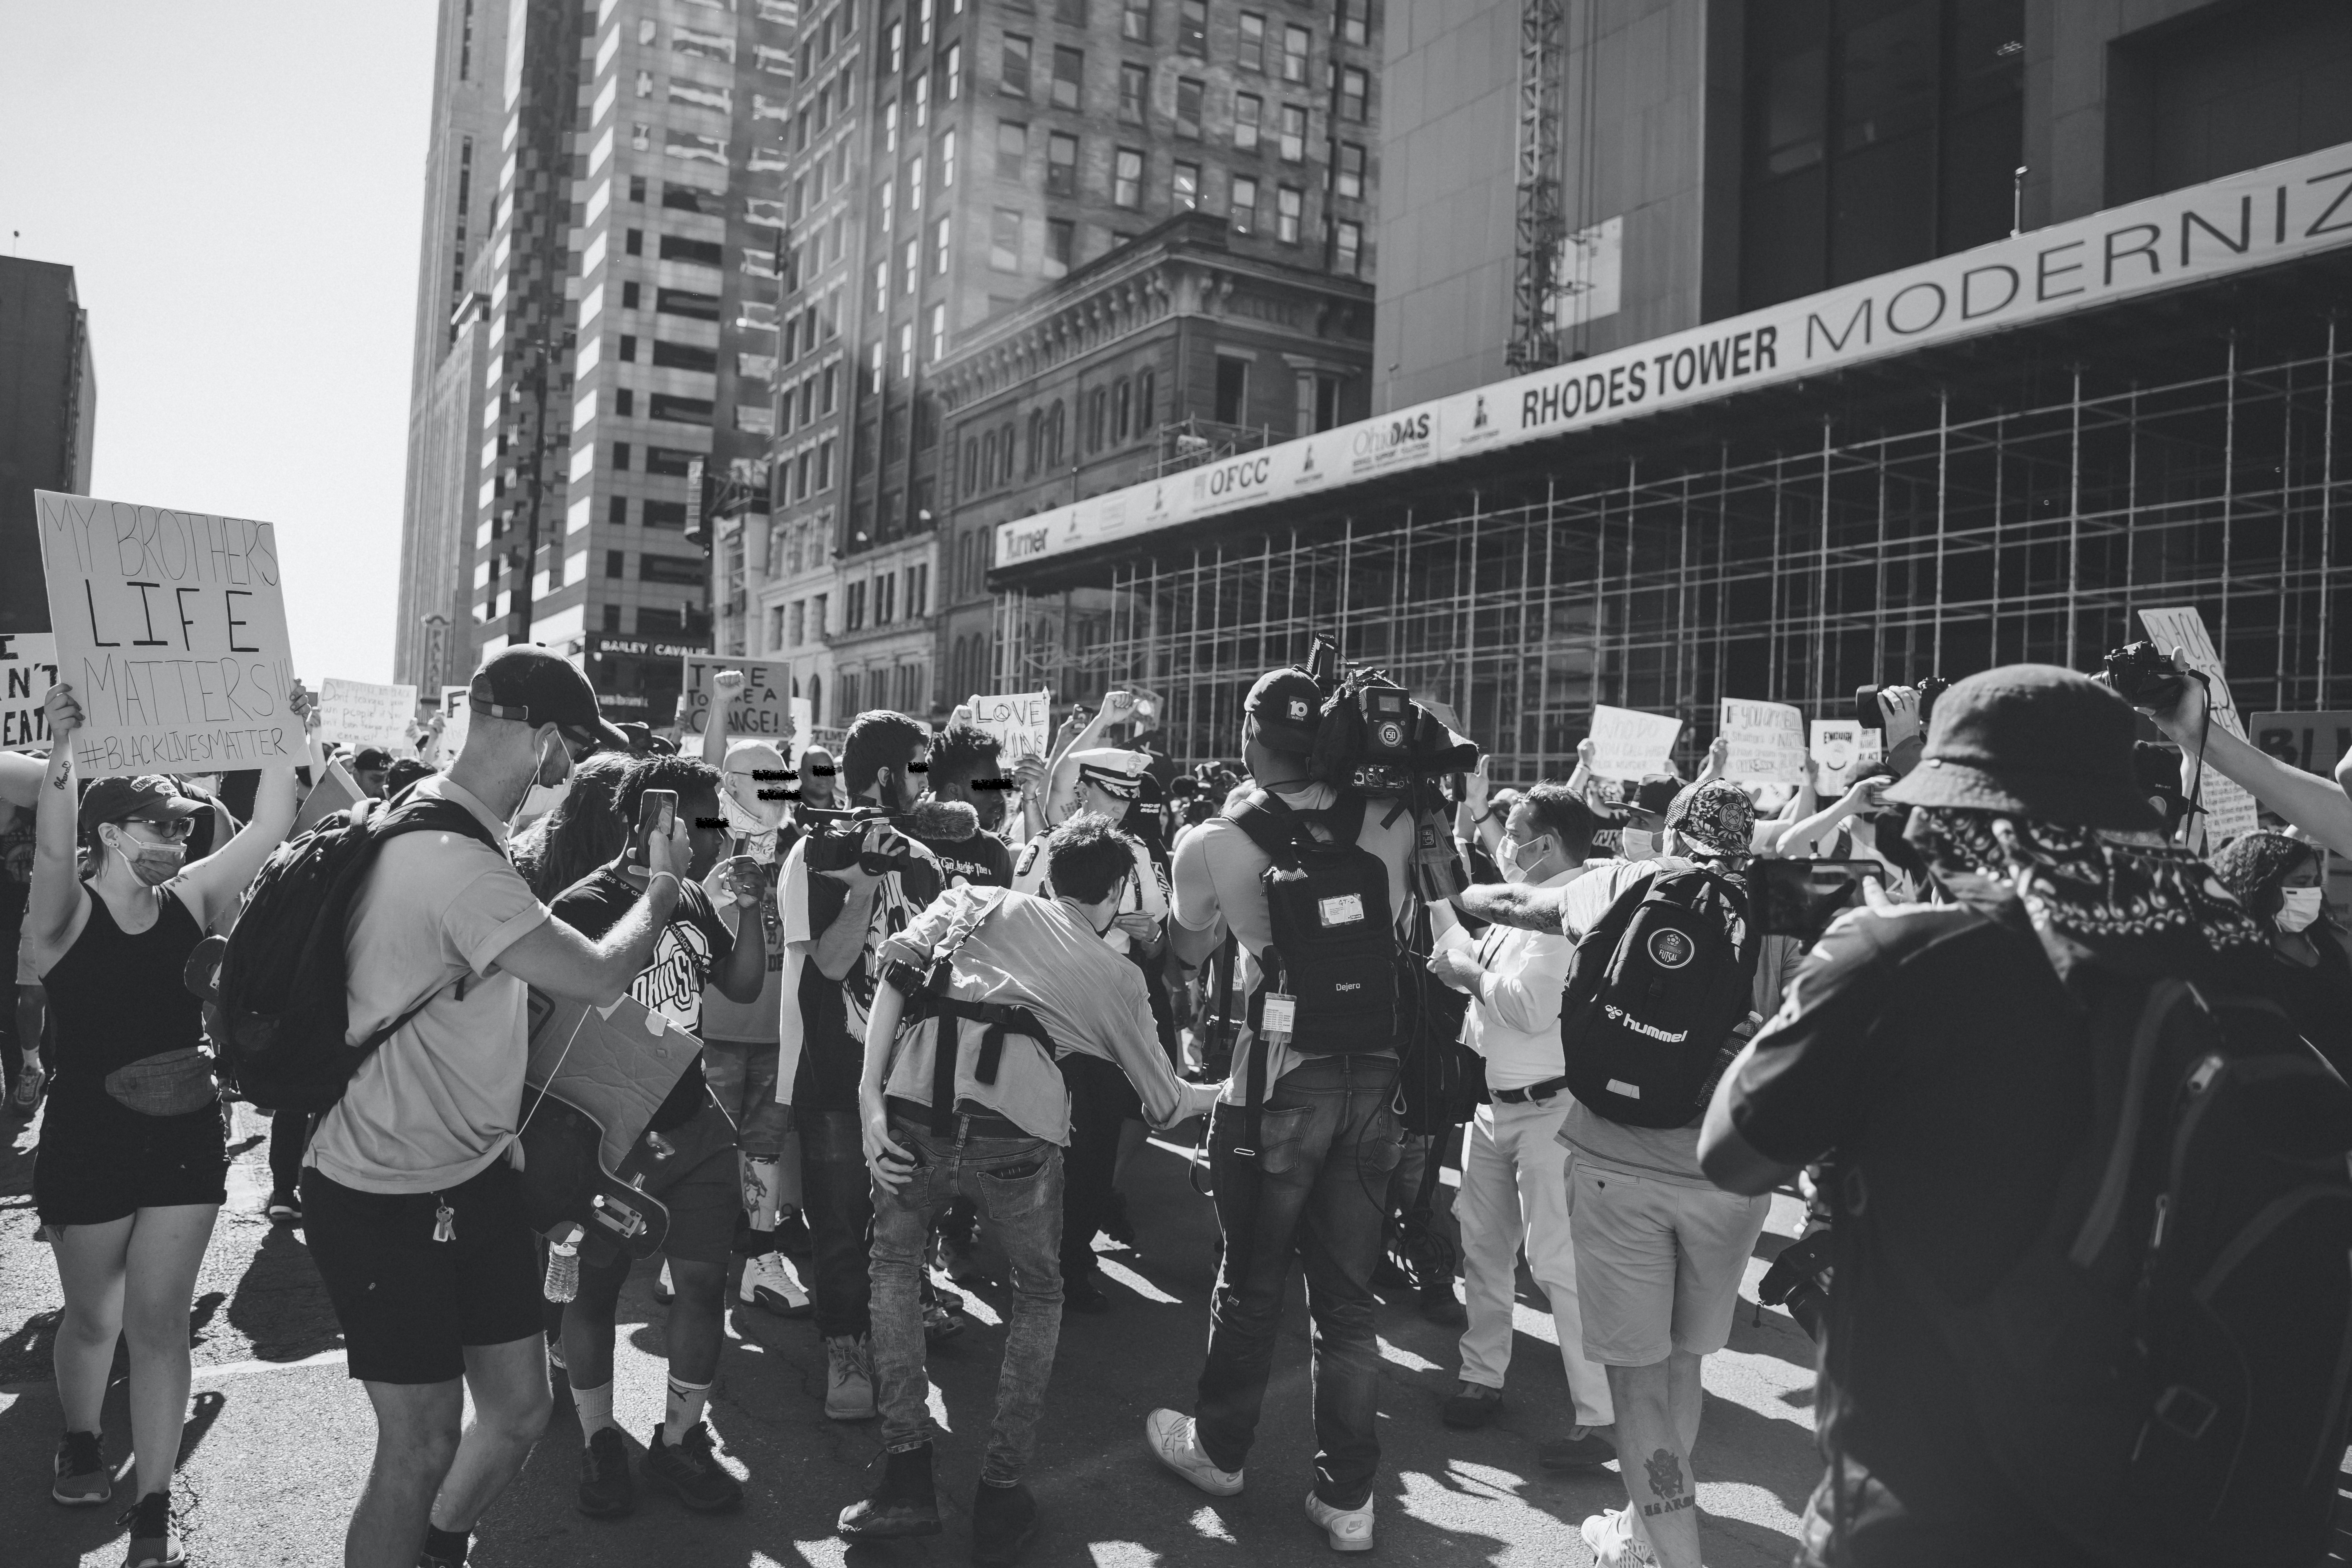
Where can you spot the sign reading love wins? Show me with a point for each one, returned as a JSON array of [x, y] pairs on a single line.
[[171, 629]]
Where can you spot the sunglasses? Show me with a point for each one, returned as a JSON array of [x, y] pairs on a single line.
[[177, 830]]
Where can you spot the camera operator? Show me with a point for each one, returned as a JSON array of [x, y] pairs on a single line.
[[2181, 708], [849, 885], [1326, 1140]]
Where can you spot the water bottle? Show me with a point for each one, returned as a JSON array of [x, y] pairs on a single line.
[[563, 1264]]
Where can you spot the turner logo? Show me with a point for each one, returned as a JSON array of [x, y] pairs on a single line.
[[1020, 542]]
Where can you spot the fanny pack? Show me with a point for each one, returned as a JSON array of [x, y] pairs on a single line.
[[170, 1083]]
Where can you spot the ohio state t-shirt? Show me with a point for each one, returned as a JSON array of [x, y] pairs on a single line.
[[694, 941]]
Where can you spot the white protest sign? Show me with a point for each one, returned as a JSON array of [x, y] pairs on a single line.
[[761, 709], [1837, 751], [2228, 809], [1017, 719], [28, 667], [803, 716], [1768, 742], [456, 720], [335, 791], [1628, 745], [363, 713], [172, 631]]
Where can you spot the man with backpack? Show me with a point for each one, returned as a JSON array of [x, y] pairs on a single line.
[[1311, 881], [413, 1204], [2091, 1209]]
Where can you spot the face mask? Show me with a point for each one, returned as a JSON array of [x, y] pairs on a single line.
[[1511, 859], [1640, 844], [153, 864], [544, 794], [758, 835], [2298, 907]]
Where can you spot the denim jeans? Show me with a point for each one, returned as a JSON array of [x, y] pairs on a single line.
[[1016, 1185], [837, 1196], [1318, 1186], [1101, 1099]]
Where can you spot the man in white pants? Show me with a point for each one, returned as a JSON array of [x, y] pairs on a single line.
[[1514, 1185]]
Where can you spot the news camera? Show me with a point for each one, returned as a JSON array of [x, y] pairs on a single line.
[[836, 839], [1375, 740]]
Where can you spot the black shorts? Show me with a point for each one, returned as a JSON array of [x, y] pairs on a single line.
[[105, 1161], [410, 1305]]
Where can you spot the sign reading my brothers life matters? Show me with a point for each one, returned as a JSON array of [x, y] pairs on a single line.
[[171, 629]]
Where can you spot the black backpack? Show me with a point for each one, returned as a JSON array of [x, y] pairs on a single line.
[[1335, 945], [282, 978], [1653, 994], [2163, 1374]]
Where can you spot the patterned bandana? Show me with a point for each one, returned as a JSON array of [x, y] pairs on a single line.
[[1714, 818], [2104, 889]]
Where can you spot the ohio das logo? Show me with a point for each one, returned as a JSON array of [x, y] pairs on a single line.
[[1670, 949]]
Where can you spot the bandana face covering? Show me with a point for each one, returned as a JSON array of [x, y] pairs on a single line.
[[758, 834]]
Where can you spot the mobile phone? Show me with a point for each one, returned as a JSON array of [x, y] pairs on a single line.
[[657, 811]]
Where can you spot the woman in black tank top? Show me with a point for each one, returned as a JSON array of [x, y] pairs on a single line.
[[132, 1166]]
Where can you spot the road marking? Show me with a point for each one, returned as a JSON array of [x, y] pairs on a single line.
[[226, 1369], [1135, 1282]]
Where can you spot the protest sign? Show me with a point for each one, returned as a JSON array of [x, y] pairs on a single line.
[[1837, 753], [1627, 744], [1017, 719], [762, 709], [2228, 809], [2312, 742], [1768, 742], [171, 629], [334, 791], [455, 719], [28, 667], [804, 715], [361, 713]]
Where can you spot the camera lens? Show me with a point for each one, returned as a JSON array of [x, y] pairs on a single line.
[[1391, 734]]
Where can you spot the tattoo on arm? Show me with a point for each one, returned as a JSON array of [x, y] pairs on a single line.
[[1513, 904], [65, 771]]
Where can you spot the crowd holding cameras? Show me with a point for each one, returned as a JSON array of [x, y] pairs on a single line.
[[909, 992]]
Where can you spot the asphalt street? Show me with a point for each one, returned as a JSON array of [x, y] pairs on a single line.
[[279, 1437]]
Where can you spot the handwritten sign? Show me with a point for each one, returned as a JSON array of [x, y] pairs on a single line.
[[456, 720], [28, 667], [2312, 742], [2228, 809], [359, 713], [171, 629], [1017, 719], [1629, 745], [1768, 742], [762, 707]]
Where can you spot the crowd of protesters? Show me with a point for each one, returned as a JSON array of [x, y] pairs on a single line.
[[939, 993]]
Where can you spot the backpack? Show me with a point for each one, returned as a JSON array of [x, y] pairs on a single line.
[[282, 978], [1654, 992], [925, 988], [1335, 947], [2163, 1372]]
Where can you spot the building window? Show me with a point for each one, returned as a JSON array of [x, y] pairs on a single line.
[[874, 368], [823, 468], [923, 33], [906, 350], [1122, 412], [955, 71], [1146, 385], [939, 332], [1134, 92], [617, 563], [1353, 88], [1061, 164], [1011, 150], [1355, 20], [1232, 391], [915, 183], [939, 248], [947, 161], [1294, 133], [853, 618], [1347, 249], [1184, 187], [911, 264], [1098, 417], [830, 372], [629, 294], [885, 201], [800, 621], [1249, 112], [1253, 42], [617, 513], [1005, 240], [1127, 178], [1349, 174], [1287, 205], [987, 460], [1295, 45], [1189, 94], [1244, 205], [1036, 441], [1192, 29], [923, 101], [881, 286], [1013, 73], [1135, 21], [633, 242], [889, 129], [886, 584], [1069, 75], [624, 403], [620, 456], [1061, 241], [897, 46]]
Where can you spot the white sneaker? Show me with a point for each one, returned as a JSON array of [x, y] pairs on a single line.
[[1614, 1544], [770, 1281], [1347, 1529], [1174, 1443]]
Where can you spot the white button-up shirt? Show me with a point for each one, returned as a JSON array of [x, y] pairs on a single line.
[[1514, 1018]]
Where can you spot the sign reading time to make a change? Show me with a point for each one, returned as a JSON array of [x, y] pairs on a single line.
[[171, 629]]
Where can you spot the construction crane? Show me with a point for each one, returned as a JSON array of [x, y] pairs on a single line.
[[1539, 229]]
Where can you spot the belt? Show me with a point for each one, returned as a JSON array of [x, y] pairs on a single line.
[[1534, 1094], [977, 1123]]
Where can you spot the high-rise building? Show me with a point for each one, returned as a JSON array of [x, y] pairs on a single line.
[[48, 419], [620, 299]]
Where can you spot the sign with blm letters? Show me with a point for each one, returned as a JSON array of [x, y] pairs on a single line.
[[1768, 742], [2312, 742], [1627, 744], [2228, 809], [171, 629], [762, 707], [28, 667], [1017, 719], [361, 713]]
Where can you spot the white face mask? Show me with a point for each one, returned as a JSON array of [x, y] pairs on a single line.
[[1511, 859], [2298, 908], [1640, 844], [543, 796]]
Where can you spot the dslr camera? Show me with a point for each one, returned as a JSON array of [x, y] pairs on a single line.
[[836, 839], [2146, 677], [1873, 717]]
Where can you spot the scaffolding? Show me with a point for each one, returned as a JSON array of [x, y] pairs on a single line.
[[1890, 538]]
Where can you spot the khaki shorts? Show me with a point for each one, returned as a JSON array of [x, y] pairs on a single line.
[[1658, 1263]]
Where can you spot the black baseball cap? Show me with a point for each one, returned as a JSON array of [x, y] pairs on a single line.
[[150, 797], [532, 686], [371, 758], [1288, 708]]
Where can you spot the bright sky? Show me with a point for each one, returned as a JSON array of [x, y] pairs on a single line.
[[238, 188]]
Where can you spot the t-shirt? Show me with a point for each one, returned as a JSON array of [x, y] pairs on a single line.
[[754, 1022], [437, 1102], [1037, 953], [821, 1031], [1146, 894], [671, 984], [979, 862]]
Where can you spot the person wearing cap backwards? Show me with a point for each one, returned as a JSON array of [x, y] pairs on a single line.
[[368, 767], [1660, 1251], [411, 1200], [1323, 1198], [133, 1164], [1102, 1101], [1937, 1050]]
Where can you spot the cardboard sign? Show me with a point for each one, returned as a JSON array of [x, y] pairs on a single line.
[[456, 720], [762, 707], [360, 713], [1017, 719], [28, 667], [2228, 809], [1768, 742], [1628, 745], [171, 629], [2312, 742], [1836, 753], [803, 716], [335, 791]]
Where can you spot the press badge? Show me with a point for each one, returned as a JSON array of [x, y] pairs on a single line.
[[1346, 910], [1279, 1017]]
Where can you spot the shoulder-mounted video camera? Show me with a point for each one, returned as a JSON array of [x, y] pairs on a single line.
[[1374, 738]]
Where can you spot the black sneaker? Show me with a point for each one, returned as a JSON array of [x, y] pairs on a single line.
[[691, 1473], [904, 1504], [1115, 1224], [1084, 1293], [285, 1208], [80, 1477], [1003, 1520], [606, 1490], [154, 1542]]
